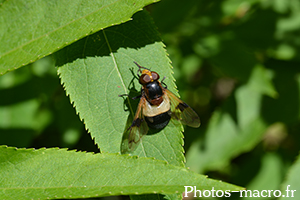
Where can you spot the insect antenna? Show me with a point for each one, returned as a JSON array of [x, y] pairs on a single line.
[[140, 67]]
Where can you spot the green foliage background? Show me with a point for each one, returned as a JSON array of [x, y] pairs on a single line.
[[236, 62]]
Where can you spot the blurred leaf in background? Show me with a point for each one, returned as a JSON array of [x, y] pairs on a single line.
[[34, 109], [236, 62]]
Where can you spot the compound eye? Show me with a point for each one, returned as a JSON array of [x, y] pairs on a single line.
[[144, 79], [155, 76]]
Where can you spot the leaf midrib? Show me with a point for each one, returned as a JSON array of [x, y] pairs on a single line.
[[118, 71], [120, 186]]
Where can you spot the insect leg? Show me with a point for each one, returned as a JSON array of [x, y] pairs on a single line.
[[127, 95], [136, 97], [162, 81], [123, 95]]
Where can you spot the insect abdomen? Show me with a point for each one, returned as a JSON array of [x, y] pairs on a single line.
[[159, 121]]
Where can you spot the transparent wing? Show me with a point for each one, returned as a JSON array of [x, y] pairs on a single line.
[[181, 111], [138, 128]]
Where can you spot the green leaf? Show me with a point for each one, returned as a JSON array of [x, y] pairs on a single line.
[[55, 173], [23, 114], [248, 109], [96, 69], [269, 175], [292, 181], [19, 122], [104, 70], [261, 81], [223, 142], [226, 136], [31, 30]]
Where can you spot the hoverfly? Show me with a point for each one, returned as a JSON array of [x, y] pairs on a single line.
[[156, 107]]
